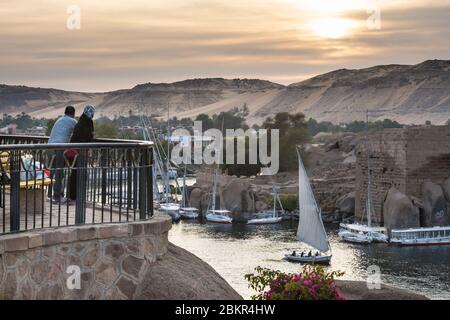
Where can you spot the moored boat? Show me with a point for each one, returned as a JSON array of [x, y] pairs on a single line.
[[219, 216], [188, 213], [421, 236], [269, 217]]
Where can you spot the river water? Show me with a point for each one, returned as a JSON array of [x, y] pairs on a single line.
[[235, 250]]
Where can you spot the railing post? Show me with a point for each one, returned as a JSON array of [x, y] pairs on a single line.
[[14, 166], [150, 181], [143, 177], [81, 173], [103, 164]]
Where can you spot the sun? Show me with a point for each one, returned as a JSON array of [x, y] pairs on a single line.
[[332, 28]]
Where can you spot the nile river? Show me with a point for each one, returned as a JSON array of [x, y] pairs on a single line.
[[234, 250]]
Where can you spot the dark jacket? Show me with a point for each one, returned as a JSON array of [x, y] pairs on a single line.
[[83, 131]]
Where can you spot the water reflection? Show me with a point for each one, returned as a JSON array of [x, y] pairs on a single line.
[[234, 250]]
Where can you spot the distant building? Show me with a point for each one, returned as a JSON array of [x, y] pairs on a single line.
[[403, 158], [9, 129], [36, 131]]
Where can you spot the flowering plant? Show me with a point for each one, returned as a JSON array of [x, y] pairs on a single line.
[[312, 283]]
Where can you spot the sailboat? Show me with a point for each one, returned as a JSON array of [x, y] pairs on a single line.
[[187, 212], [217, 215], [311, 230], [170, 208], [269, 217], [360, 233]]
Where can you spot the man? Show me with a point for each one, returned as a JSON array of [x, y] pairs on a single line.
[[61, 133]]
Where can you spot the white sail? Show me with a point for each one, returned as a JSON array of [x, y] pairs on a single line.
[[310, 227]]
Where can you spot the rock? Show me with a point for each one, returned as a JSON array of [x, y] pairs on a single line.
[[181, 275], [195, 197], [446, 188], [237, 198], [345, 205], [399, 212], [434, 206], [357, 290], [261, 205]]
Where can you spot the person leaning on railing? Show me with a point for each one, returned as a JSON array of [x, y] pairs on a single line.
[[83, 133], [61, 133]]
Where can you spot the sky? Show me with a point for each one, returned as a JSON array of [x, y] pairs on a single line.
[[100, 45]]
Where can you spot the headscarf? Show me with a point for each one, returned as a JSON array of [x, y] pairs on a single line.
[[89, 111]]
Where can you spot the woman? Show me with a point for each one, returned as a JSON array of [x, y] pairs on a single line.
[[82, 133]]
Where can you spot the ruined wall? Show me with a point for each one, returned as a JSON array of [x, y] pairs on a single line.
[[113, 260], [428, 157], [388, 169], [403, 158]]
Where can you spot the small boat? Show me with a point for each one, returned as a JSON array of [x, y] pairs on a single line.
[[219, 216], [265, 220], [362, 234], [172, 209], [269, 217], [188, 213], [185, 211], [320, 258], [311, 230], [354, 237], [421, 236]]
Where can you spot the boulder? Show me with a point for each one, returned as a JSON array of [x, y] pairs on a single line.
[[195, 197], [345, 205], [446, 188], [434, 206], [261, 205], [180, 275], [399, 212], [237, 197]]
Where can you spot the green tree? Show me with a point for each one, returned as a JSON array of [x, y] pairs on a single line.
[[105, 130]]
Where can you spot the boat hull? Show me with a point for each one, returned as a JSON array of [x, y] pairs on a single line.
[[322, 259], [420, 242], [355, 238], [265, 220], [215, 218], [188, 213]]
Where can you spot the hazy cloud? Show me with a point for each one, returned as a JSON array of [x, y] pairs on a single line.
[[122, 43]]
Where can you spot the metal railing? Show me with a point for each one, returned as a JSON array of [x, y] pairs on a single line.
[[52, 185]]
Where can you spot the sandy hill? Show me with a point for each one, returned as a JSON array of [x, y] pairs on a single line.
[[406, 93]]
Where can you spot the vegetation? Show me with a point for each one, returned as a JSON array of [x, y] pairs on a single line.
[[314, 127], [22, 120], [312, 283], [293, 131]]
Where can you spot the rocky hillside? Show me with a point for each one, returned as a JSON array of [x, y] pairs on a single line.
[[406, 93]]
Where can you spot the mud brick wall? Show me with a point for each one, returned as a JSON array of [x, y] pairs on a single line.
[[402, 158]]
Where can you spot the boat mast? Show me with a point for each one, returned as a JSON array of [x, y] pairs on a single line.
[[184, 184], [369, 175], [167, 158]]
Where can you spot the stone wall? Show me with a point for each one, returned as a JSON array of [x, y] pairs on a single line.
[[113, 259], [401, 158]]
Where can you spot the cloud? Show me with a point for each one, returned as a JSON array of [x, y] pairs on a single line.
[[129, 42]]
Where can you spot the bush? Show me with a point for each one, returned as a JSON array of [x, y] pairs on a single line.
[[313, 283], [289, 201]]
